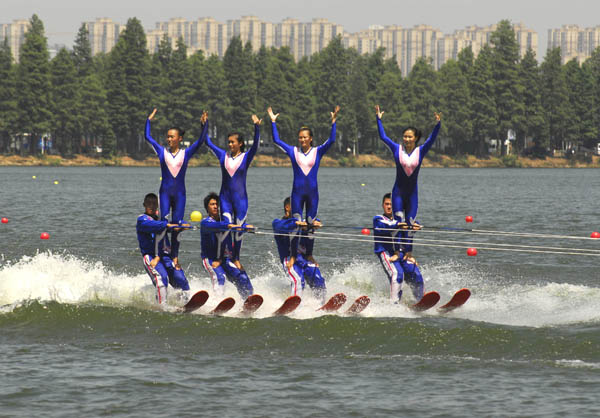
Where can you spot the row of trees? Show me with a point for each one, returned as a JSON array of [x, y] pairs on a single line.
[[82, 100]]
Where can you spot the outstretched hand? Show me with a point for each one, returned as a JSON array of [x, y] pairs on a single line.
[[204, 117], [272, 115], [256, 120], [379, 112], [152, 114], [438, 116], [334, 114]]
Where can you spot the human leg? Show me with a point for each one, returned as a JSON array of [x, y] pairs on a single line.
[[159, 277], [394, 273]]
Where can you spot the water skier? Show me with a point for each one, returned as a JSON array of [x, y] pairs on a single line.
[[408, 157], [173, 165], [216, 250], [299, 268], [391, 253], [155, 249], [234, 167], [305, 162]]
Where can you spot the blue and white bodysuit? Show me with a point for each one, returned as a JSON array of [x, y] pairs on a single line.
[[172, 187], [233, 197], [305, 190], [405, 194], [216, 245], [152, 239], [385, 235], [302, 270]]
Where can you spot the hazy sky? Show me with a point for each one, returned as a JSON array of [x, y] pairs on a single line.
[[62, 18]]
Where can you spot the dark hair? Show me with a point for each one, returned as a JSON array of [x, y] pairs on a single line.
[[209, 197], [287, 201], [386, 196], [239, 138], [180, 131], [310, 133], [150, 200], [415, 131]]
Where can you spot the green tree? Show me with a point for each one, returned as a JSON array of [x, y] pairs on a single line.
[[94, 116], [65, 104], [180, 92], [8, 102], [588, 104], [532, 121], [484, 114], [423, 91], [393, 98], [128, 87], [33, 84], [357, 122], [554, 97], [218, 104], [241, 83], [505, 53], [198, 101], [455, 103], [82, 52], [592, 66], [330, 88]]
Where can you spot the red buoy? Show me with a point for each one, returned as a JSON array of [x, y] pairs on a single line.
[[366, 231], [44, 235], [4, 220], [594, 235], [469, 219], [472, 252]]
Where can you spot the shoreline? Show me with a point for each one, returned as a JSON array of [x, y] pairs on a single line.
[[363, 161]]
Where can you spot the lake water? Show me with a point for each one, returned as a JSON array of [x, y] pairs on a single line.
[[80, 334]]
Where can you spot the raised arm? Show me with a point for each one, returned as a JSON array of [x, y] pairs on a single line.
[[431, 139], [151, 141], [204, 121], [289, 150], [391, 144], [327, 144], [256, 143]]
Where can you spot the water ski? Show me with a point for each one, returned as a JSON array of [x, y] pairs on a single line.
[[252, 304], [223, 307], [459, 299], [334, 303], [196, 301], [428, 300], [359, 305], [288, 306]]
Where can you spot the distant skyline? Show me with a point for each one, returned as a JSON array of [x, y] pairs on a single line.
[[62, 18]]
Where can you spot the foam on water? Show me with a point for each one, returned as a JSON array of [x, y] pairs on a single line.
[[69, 279]]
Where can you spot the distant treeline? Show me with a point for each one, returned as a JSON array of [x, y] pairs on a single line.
[[82, 101]]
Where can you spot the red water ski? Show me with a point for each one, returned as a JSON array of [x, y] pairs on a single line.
[[359, 305], [288, 306], [334, 303], [252, 304], [223, 307], [428, 300], [459, 299], [195, 301]]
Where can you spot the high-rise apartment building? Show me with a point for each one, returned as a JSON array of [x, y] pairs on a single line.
[[574, 42], [103, 34], [14, 33]]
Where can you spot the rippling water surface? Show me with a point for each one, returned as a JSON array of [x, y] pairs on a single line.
[[80, 334]]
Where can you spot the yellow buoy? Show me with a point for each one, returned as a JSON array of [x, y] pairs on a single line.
[[34, 177], [363, 184], [195, 216], [55, 181]]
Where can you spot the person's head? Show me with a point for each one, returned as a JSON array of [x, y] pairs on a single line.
[[411, 137], [235, 142], [211, 204], [305, 137], [287, 206], [174, 137], [151, 204], [386, 204]]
